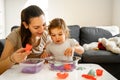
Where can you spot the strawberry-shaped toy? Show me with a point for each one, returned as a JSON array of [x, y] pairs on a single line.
[[67, 67], [28, 47], [62, 75]]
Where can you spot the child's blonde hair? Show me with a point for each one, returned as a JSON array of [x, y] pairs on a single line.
[[59, 23]]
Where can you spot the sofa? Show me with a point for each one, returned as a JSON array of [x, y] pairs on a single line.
[[107, 59], [2, 42]]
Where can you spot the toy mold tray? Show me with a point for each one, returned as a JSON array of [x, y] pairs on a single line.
[[32, 65]]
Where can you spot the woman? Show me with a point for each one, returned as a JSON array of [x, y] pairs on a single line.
[[32, 31]]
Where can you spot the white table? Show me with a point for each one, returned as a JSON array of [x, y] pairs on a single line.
[[45, 74]]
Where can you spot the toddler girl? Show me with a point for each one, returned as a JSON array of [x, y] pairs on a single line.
[[61, 47]]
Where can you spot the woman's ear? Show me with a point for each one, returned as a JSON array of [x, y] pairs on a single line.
[[26, 26]]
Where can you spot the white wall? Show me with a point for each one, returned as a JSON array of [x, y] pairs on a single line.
[[116, 12], [2, 19], [12, 13], [81, 12]]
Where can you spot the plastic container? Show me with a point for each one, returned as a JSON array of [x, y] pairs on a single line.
[[63, 66], [32, 65]]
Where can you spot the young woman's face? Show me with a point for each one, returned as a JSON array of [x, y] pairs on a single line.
[[57, 35], [37, 26]]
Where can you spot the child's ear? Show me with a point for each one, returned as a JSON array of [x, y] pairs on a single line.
[[26, 26]]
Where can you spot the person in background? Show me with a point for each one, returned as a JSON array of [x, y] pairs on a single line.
[[62, 47], [31, 31]]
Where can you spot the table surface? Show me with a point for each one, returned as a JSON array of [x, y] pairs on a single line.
[[45, 74]]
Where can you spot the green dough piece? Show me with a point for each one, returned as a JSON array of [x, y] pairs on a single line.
[[57, 64], [92, 72], [80, 68]]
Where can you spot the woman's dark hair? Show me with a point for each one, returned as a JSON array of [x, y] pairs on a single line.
[[26, 14]]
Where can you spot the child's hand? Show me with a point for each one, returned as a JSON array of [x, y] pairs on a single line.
[[69, 51], [44, 55]]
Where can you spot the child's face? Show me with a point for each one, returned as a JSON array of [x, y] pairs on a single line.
[[57, 35]]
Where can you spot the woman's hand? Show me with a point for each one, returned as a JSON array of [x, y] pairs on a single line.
[[69, 51], [20, 55]]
